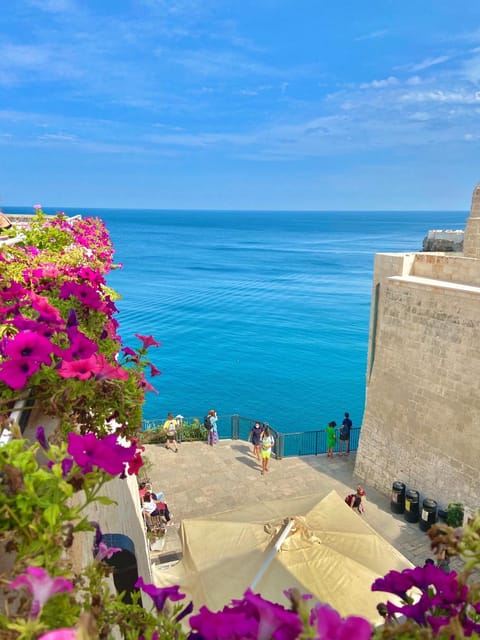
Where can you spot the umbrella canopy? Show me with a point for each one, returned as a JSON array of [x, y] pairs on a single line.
[[329, 552]]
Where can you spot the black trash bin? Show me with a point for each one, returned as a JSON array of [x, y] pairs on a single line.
[[429, 514], [412, 506], [397, 502]]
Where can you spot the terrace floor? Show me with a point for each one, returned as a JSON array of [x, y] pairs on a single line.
[[201, 480]]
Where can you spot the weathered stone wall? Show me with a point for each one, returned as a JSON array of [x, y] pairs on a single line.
[[422, 418], [447, 268], [471, 243]]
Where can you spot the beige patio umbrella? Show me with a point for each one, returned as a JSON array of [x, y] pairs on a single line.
[[329, 552]]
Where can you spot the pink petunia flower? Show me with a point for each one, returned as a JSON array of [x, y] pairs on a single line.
[[81, 347], [16, 373], [105, 552], [46, 311], [106, 370], [26, 324], [88, 451], [145, 385], [60, 634], [331, 626], [80, 369], [41, 586], [154, 371], [28, 344], [84, 292], [159, 595], [135, 464], [148, 341]]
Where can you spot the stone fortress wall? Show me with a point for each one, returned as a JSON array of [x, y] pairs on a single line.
[[421, 424]]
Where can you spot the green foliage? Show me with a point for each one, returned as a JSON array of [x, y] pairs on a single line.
[[188, 432], [38, 517], [455, 514], [41, 236]]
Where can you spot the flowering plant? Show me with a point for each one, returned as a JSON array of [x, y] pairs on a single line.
[[59, 346]]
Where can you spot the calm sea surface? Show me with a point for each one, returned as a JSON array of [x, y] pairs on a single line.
[[264, 314]]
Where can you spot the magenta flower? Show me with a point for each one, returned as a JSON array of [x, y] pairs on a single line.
[[130, 352], [67, 465], [135, 464], [37, 207], [84, 292], [26, 324], [41, 586], [15, 373], [28, 344], [81, 347], [59, 634], [72, 319], [154, 371], [148, 341], [145, 385], [105, 552], [331, 626], [228, 624], [253, 617], [274, 620], [80, 369], [442, 595], [49, 271], [41, 438], [103, 369], [88, 451], [159, 595], [46, 311]]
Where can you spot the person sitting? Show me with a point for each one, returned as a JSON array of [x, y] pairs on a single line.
[[355, 500], [152, 506]]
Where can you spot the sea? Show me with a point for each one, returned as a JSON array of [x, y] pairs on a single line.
[[264, 314]]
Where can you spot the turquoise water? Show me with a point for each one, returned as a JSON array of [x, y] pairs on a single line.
[[264, 314]]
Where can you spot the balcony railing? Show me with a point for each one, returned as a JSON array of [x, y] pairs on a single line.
[[298, 443]]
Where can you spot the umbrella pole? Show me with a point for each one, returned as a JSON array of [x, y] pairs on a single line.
[[272, 553]]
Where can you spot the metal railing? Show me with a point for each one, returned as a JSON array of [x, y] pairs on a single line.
[[299, 443]]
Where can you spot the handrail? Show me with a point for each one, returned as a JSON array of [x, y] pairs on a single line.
[[293, 443]]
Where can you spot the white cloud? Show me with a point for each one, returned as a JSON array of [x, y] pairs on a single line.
[[381, 33], [414, 80], [425, 64], [54, 6], [380, 84], [419, 116], [471, 69], [459, 97], [25, 56]]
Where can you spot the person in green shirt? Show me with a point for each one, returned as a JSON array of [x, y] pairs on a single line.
[[331, 432]]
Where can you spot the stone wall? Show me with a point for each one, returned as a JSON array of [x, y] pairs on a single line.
[[422, 416], [423, 404]]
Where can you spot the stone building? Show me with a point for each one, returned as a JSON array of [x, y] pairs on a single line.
[[421, 424]]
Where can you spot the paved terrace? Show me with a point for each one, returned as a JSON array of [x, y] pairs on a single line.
[[201, 480]]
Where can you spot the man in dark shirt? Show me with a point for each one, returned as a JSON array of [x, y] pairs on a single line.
[[345, 434]]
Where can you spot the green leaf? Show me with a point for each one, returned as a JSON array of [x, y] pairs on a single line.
[[51, 514]]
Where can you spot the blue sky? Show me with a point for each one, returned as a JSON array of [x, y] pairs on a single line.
[[240, 104]]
